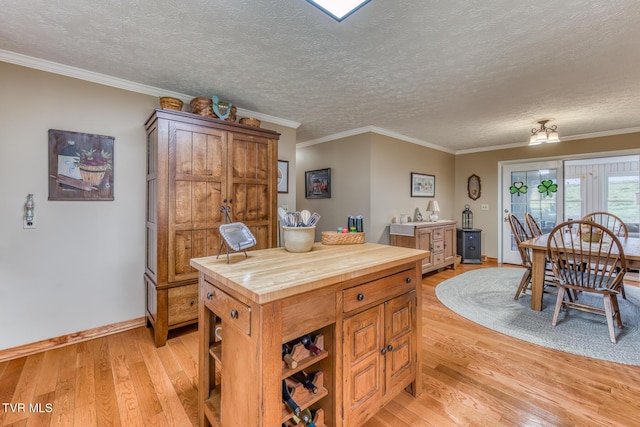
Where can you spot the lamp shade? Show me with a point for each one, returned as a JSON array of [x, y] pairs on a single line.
[[433, 206], [553, 137]]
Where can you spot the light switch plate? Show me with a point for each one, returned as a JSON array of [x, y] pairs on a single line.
[[484, 207]]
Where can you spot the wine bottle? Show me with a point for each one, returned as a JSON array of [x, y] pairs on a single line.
[[302, 377], [286, 356], [307, 418], [286, 398], [309, 345]]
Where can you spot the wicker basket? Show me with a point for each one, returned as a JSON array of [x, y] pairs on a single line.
[[202, 106], [334, 238], [170, 103], [250, 122], [93, 174], [591, 237]]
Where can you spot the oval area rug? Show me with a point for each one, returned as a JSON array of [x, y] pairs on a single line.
[[486, 297]]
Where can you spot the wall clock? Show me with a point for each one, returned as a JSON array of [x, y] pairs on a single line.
[[473, 187]]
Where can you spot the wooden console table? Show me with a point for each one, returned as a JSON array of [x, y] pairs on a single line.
[[364, 300]]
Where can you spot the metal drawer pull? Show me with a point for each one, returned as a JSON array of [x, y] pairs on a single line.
[[209, 295], [192, 302], [383, 351], [390, 347], [408, 280], [234, 314], [360, 297]]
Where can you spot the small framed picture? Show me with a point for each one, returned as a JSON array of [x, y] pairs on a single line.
[[283, 176], [318, 184], [423, 185]]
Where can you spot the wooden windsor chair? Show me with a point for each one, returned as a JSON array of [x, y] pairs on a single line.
[[613, 223], [580, 264]]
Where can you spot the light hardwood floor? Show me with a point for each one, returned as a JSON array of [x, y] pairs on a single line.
[[472, 377]]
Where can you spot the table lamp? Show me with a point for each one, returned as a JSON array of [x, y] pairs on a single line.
[[434, 208]]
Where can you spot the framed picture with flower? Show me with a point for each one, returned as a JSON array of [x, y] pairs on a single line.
[[80, 166]]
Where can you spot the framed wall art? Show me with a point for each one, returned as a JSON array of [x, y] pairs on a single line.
[[283, 176], [423, 185], [318, 184], [80, 166]]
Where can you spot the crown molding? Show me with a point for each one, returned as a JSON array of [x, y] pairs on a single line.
[[376, 130], [90, 76], [564, 139]]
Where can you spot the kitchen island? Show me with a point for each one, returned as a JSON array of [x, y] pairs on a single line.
[[360, 304]]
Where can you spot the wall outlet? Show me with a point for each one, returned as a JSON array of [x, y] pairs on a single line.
[[29, 224], [484, 207]]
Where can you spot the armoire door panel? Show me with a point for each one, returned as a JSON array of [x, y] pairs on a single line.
[[197, 203], [261, 233], [152, 250], [250, 202], [152, 198], [249, 158], [191, 244], [183, 197], [182, 254], [213, 242], [199, 152], [215, 196]]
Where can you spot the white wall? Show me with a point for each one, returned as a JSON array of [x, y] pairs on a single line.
[[82, 267]]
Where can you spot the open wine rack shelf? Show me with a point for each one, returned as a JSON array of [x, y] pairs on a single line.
[[302, 396]]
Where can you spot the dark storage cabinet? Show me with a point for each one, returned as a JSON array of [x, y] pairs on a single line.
[[469, 245]]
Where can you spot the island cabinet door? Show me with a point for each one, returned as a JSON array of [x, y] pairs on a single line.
[[363, 365], [400, 358]]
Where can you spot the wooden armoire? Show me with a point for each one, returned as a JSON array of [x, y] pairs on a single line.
[[195, 166]]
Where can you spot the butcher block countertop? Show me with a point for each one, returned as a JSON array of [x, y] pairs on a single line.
[[272, 274]]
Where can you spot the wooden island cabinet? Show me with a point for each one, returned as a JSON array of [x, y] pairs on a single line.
[[361, 305], [195, 165]]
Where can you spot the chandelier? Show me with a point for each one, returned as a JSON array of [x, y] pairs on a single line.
[[544, 134]]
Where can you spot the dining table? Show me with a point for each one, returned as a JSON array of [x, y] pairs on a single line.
[[538, 246]]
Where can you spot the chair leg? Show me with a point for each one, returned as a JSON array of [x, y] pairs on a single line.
[[526, 278], [616, 311], [624, 296], [559, 301], [608, 310]]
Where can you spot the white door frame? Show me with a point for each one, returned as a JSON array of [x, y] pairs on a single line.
[[504, 196]]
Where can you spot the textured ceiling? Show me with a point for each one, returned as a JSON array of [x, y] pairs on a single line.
[[459, 74]]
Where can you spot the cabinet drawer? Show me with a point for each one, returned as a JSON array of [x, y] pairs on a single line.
[[378, 290], [183, 304], [438, 258], [438, 233], [308, 312], [438, 246], [232, 312]]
